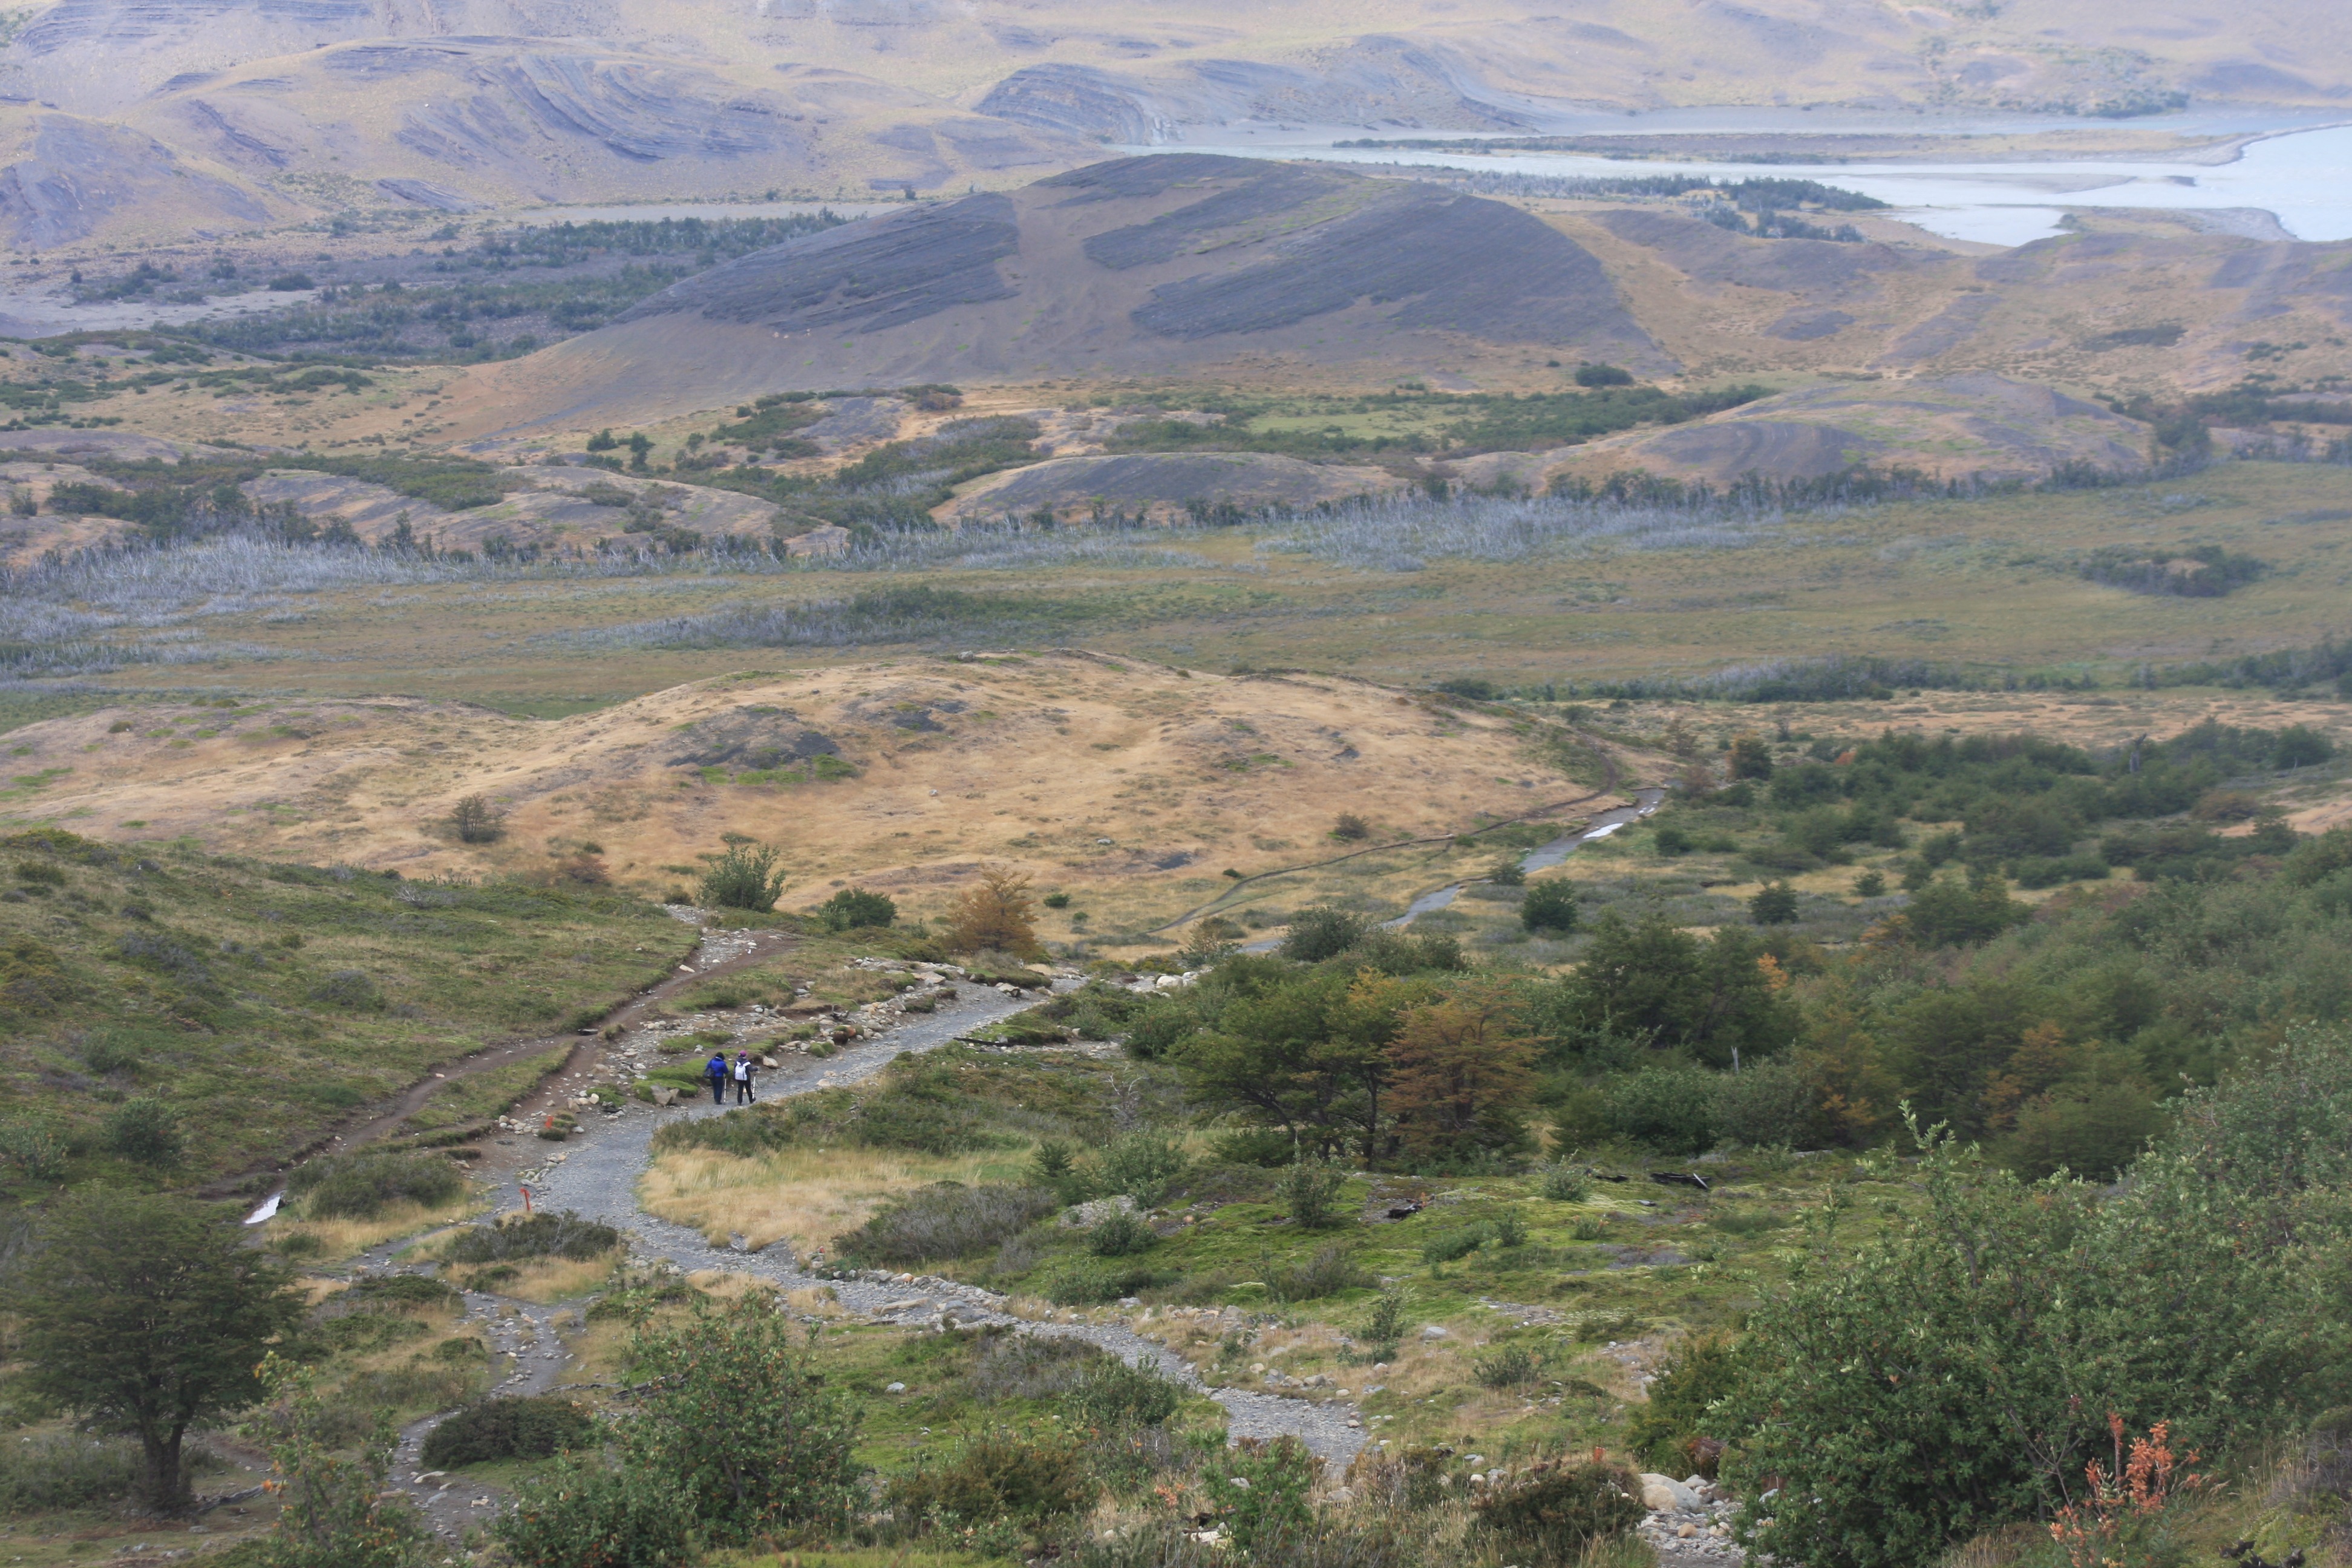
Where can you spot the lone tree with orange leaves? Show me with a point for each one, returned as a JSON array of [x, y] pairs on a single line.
[[997, 916], [1459, 1077]]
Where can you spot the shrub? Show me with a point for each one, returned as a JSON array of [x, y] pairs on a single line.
[[1870, 885], [362, 1184], [1447, 1245], [1387, 1324], [1774, 905], [1258, 1490], [1565, 1183], [1549, 906], [996, 915], [1000, 1475], [2300, 746], [1322, 932], [852, 908], [1669, 1108], [1143, 1165], [937, 1222], [147, 1130], [1350, 829], [1946, 913], [1113, 1394], [564, 1235], [1768, 1105], [2092, 1130], [520, 1428], [65, 1471], [477, 820], [1310, 1192], [585, 1515], [741, 1421], [743, 877], [1603, 375], [1010, 1365], [34, 1148], [1329, 1271], [1669, 1432], [1120, 1234], [1510, 1229], [349, 990], [1552, 1510], [1512, 1366]]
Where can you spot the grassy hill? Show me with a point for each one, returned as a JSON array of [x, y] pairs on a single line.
[[154, 996]]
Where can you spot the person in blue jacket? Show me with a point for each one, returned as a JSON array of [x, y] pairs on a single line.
[[715, 1069]]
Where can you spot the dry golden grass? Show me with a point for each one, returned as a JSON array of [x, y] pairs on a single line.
[[1132, 785], [341, 1239], [804, 1197], [550, 1279]]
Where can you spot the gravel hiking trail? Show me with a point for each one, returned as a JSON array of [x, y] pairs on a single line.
[[595, 1173]]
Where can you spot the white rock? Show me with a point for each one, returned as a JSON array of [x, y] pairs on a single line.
[[1432, 1332], [896, 1388], [1664, 1494]]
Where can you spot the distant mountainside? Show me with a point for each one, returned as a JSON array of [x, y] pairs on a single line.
[[136, 118], [1155, 266]]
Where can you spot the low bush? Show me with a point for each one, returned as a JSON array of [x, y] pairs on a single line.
[[1007, 1365], [65, 1472], [946, 1221], [146, 1130], [1113, 1394], [362, 1184], [564, 1235], [520, 1428], [854, 908], [348, 990], [1310, 1194], [1549, 1511], [1549, 907], [1513, 1366], [1447, 1245], [999, 1475], [743, 877], [1331, 1270], [1120, 1234], [1092, 1282], [585, 1515]]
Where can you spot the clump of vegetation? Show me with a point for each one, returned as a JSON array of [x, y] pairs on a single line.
[[476, 819], [530, 1428], [939, 1223], [1551, 1511], [541, 1235], [742, 877], [855, 908], [997, 915], [364, 1182]]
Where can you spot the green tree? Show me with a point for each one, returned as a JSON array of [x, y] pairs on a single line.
[[1307, 1056], [144, 1315], [1773, 905], [739, 1419], [1650, 980], [744, 877], [1321, 932], [1549, 906], [854, 908], [332, 1510]]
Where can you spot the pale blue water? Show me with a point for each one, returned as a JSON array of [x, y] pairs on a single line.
[[2303, 178]]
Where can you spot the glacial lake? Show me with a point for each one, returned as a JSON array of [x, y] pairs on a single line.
[[2302, 178]]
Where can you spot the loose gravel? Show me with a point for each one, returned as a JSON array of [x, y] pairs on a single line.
[[597, 1175]]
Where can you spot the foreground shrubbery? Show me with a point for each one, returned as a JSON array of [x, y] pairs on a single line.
[[1958, 1374]]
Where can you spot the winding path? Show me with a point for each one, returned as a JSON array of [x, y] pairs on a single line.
[[596, 1174]]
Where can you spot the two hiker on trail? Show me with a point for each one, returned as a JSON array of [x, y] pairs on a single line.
[[744, 1067], [715, 1069]]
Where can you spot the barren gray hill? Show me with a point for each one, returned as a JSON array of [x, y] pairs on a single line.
[[1143, 266]]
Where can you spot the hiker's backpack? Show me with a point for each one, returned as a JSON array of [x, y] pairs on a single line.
[[742, 1071]]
